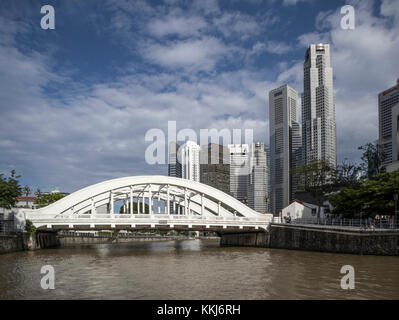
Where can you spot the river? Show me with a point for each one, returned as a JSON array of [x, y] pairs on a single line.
[[194, 269]]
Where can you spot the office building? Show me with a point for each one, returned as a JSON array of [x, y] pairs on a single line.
[[189, 157], [258, 179], [318, 107], [239, 171], [215, 166], [388, 105], [285, 145], [174, 166], [267, 150]]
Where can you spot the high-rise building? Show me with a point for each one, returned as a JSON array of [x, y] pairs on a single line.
[[258, 183], [388, 102], [174, 166], [215, 166], [318, 107], [285, 145], [394, 165], [174, 170], [189, 157], [239, 171], [269, 191]]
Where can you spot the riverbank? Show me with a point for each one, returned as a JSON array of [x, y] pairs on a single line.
[[320, 238], [21, 242], [66, 240], [42, 240], [11, 243]]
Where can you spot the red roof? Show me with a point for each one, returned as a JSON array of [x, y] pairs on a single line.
[[22, 198]]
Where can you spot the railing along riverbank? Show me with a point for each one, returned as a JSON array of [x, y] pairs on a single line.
[[361, 224]]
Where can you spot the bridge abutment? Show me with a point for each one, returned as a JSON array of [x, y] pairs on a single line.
[[250, 239], [41, 240]]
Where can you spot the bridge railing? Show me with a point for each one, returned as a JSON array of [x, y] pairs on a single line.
[[70, 219], [369, 223], [136, 216]]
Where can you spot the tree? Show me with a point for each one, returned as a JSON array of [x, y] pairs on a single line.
[[9, 190], [29, 227], [316, 178], [50, 198], [372, 160], [146, 208], [38, 195], [370, 198], [27, 192], [348, 174]]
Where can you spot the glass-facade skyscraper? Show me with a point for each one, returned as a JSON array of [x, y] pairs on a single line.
[[285, 145], [318, 107]]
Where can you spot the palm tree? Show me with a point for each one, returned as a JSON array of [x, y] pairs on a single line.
[[27, 192], [38, 194]]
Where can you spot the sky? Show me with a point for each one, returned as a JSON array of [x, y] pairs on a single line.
[[76, 102]]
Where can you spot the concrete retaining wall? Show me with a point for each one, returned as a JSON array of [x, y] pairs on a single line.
[[11, 243], [315, 238], [258, 239], [74, 240]]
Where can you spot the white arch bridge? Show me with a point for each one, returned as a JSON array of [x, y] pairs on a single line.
[[149, 202]]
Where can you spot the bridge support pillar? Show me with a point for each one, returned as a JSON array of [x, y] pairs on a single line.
[[41, 240]]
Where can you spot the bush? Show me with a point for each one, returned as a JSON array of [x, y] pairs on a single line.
[[29, 227]]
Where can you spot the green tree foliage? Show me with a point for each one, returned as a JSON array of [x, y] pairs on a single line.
[[348, 174], [370, 198], [29, 227], [27, 192], [372, 160], [47, 199], [9, 190], [317, 178], [146, 208]]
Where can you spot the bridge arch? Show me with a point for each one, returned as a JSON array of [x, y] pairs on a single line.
[[164, 196]]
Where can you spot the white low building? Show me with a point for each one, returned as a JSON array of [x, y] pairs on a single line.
[[303, 210]]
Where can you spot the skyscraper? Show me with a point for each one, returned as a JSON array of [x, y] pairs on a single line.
[[189, 157], [269, 191], [388, 102], [258, 178], [174, 170], [174, 166], [285, 145], [239, 171], [318, 107], [215, 166]]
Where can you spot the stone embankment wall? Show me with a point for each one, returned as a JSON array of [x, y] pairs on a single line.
[[20, 242], [42, 240], [11, 243], [75, 240], [318, 238]]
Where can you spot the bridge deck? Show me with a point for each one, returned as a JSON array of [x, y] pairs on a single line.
[[146, 221]]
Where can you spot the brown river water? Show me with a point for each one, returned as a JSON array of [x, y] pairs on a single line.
[[194, 269]]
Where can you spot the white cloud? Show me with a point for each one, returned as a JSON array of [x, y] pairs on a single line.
[[177, 25], [294, 2], [390, 8], [201, 54]]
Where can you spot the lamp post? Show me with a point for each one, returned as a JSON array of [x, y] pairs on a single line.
[[395, 197]]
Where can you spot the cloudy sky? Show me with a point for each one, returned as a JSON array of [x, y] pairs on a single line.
[[76, 102]]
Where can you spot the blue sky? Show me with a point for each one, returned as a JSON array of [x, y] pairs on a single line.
[[76, 102]]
